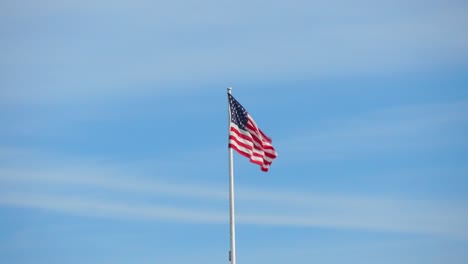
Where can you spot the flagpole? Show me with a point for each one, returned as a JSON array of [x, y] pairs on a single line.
[[232, 253]]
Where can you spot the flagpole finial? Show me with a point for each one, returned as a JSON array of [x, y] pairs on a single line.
[[229, 89]]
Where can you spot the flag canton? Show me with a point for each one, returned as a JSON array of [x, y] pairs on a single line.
[[239, 115]]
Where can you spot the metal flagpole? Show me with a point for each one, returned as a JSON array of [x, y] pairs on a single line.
[[232, 253]]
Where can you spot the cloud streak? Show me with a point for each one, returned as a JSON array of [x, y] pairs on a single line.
[[63, 66], [105, 209], [42, 182], [401, 128], [255, 207]]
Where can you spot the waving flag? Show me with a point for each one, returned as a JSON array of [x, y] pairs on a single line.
[[247, 139]]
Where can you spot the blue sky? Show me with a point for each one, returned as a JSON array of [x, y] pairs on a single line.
[[114, 131]]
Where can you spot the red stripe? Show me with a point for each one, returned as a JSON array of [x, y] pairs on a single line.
[[247, 155], [252, 122], [254, 133], [256, 147], [239, 134], [241, 144], [268, 147], [254, 154], [265, 137], [251, 138], [234, 136], [249, 148], [258, 136], [271, 156]]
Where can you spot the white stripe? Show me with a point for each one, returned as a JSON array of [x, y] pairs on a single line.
[[255, 144], [242, 140], [241, 131], [252, 123], [271, 151], [253, 132], [251, 142], [250, 152], [246, 151], [258, 134], [248, 132], [257, 148]]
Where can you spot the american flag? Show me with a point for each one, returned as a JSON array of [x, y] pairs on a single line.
[[247, 139]]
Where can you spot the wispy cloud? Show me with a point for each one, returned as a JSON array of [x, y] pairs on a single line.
[[67, 64], [32, 179], [401, 128], [97, 208], [108, 180], [258, 207]]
